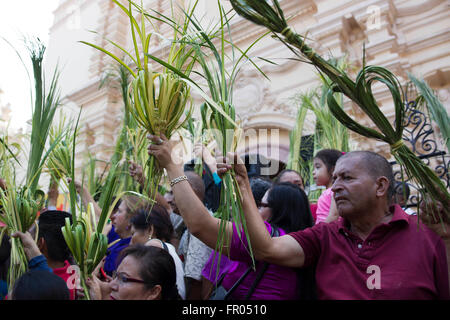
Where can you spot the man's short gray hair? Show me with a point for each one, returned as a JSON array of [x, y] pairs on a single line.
[[376, 165]]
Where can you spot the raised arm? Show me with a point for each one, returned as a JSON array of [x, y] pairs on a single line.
[[87, 198], [195, 215], [52, 193], [138, 175], [284, 250], [203, 152]]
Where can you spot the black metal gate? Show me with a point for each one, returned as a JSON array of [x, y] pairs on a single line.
[[419, 135]]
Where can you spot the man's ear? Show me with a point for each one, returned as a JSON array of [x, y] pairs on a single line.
[[154, 293], [382, 186]]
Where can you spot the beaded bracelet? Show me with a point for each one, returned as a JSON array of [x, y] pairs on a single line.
[[176, 180]]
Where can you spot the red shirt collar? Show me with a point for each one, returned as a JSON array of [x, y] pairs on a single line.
[[399, 217], [399, 214], [62, 270]]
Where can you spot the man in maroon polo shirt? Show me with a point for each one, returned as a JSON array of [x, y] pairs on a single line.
[[373, 251]]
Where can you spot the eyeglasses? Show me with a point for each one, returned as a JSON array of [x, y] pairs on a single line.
[[124, 279]]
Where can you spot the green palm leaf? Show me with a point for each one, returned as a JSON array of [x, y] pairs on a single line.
[[269, 14]]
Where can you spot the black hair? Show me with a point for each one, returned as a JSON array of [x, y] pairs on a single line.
[[40, 285], [259, 186], [211, 198], [158, 218], [329, 157], [291, 212], [254, 163], [50, 224], [290, 207], [156, 267]]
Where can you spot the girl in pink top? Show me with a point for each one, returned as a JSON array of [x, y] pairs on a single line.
[[323, 164]]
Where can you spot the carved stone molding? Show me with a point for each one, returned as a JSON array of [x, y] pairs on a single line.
[[244, 30], [253, 95], [66, 10], [333, 27], [410, 8]]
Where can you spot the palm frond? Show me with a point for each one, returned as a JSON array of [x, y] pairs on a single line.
[[269, 14], [434, 105]]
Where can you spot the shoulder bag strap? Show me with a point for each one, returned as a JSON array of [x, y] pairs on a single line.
[[273, 233], [235, 285]]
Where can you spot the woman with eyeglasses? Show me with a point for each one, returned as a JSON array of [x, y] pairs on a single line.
[[154, 228], [277, 282], [144, 273]]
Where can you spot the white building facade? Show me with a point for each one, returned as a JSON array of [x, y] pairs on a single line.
[[400, 35]]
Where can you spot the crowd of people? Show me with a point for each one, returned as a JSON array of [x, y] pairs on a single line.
[[359, 241]]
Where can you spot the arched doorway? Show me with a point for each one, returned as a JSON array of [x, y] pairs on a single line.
[[265, 151]]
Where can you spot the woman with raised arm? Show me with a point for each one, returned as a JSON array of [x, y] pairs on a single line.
[[286, 210], [403, 261]]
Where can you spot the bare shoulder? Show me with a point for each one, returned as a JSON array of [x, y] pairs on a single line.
[[155, 243]]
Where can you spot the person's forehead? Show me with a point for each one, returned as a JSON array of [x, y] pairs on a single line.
[[129, 265], [318, 161], [349, 163], [290, 176]]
